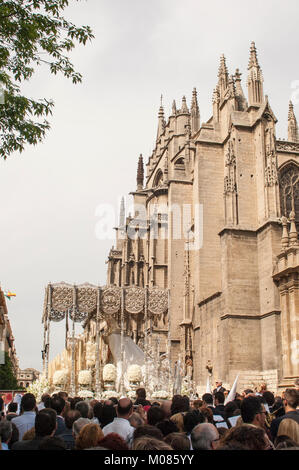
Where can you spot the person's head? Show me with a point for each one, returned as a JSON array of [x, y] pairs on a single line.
[[218, 383], [178, 441], [114, 400], [78, 425], [15, 435], [197, 404], [29, 435], [207, 412], [90, 436], [291, 399], [12, 407], [141, 393], [247, 391], [63, 395], [207, 399], [45, 422], [44, 397], [70, 417], [57, 403], [204, 436], [28, 402], [230, 409], [149, 431], [192, 419], [1, 404], [296, 383], [150, 443], [166, 407], [289, 427], [284, 442], [136, 420], [52, 443], [219, 398], [124, 408], [5, 431], [251, 437], [83, 408], [114, 441], [269, 397], [97, 410], [154, 415], [108, 414], [179, 404], [178, 420], [252, 411], [167, 427]]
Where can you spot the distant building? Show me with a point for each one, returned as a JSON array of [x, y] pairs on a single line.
[[27, 376], [6, 337]]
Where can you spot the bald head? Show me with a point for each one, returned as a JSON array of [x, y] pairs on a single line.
[[124, 408], [204, 436], [166, 407]]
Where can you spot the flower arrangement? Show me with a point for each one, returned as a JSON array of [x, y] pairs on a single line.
[[90, 354], [162, 394], [131, 394], [84, 377], [109, 373], [38, 388], [109, 393], [60, 377], [134, 373], [85, 394]]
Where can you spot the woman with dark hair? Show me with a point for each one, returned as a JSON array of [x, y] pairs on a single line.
[[114, 441], [97, 412], [108, 414]]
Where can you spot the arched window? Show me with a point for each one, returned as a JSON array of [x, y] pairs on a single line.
[[179, 162], [289, 190], [158, 180]]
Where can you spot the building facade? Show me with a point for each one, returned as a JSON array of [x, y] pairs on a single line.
[[6, 336], [216, 222], [27, 376]]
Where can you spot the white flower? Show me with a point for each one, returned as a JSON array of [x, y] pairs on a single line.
[[85, 394], [110, 394], [60, 377], [134, 373], [84, 377], [131, 394], [109, 373], [160, 394], [38, 387]]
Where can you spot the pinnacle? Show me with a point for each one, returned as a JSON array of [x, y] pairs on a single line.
[[253, 62], [291, 114], [222, 67]]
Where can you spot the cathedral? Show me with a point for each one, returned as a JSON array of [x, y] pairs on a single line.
[[215, 225], [233, 280]]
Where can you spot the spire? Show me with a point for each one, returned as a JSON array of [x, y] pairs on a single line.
[[184, 109], [293, 134], [122, 212], [255, 79], [140, 173], [161, 120], [222, 76], [195, 116], [216, 101], [174, 110], [242, 104]]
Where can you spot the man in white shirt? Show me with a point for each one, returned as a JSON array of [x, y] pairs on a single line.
[[121, 424], [26, 420]]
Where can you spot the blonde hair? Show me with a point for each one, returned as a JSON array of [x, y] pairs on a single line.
[[29, 435], [150, 443], [90, 436], [289, 427], [178, 419]]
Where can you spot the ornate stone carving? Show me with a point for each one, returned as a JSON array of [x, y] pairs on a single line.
[[134, 300], [283, 146], [62, 297], [111, 300], [230, 184], [271, 177], [157, 301], [86, 298], [56, 315]]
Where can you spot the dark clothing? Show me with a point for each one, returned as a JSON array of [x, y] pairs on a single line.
[[68, 438], [276, 422], [221, 389], [142, 401], [61, 428], [11, 416], [220, 410], [28, 445]]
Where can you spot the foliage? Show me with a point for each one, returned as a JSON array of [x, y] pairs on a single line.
[[8, 380], [32, 33], [38, 387]]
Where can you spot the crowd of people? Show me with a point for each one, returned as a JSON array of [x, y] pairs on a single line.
[[251, 421]]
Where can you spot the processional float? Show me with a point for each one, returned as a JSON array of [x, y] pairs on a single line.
[[111, 304]]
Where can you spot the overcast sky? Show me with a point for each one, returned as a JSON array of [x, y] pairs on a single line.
[[142, 49]]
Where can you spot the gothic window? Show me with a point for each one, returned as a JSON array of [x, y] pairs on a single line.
[[289, 190], [158, 178], [179, 164]]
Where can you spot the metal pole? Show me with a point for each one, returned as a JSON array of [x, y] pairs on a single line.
[[169, 345], [98, 382], [48, 331], [122, 322], [145, 334], [73, 387]]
